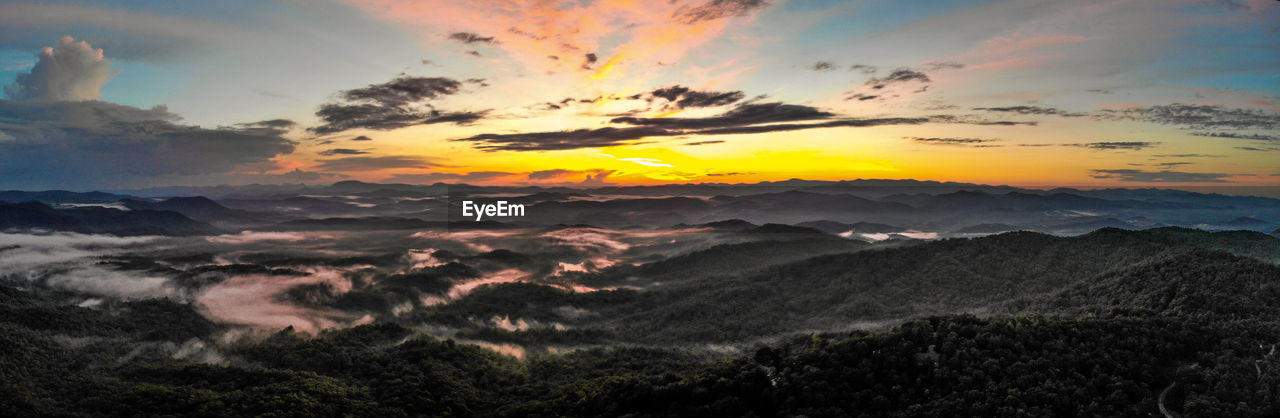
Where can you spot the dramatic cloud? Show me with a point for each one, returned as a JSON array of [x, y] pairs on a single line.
[[683, 97], [71, 71], [1199, 116], [745, 114], [749, 118], [1140, 176], [374, 163], [362, 138], [716, 9], [342, 151], [1254, 137], [471, 38], [1128, 145], [1033, 110], [395, 104], [900, 75], [98, 144]]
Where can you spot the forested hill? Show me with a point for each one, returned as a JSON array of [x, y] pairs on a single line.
[[979, 275], [1096, 325]]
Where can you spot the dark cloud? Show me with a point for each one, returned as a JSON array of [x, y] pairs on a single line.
[[271, 123], [1125, 145], [478, 81], [342, 151], [366, 116], [1255, 137], [716, 9], [683, 97], [865, 69], [1258, 149], [900, 75], [471, 38], [99, 144], [862, 97], [744, 114], [362, 138], [1199, 116], [950, 141], [395, 104], [474, 53], [714, 141], [748, 118], [589, 59], [1032, 110], [404, 90], [563, 140], [822, 66], [1164, 176], [374, 163]]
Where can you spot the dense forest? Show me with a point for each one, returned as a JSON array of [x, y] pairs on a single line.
[[1113, 323]]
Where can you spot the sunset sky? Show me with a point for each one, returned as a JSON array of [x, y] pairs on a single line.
[[1129, 93]]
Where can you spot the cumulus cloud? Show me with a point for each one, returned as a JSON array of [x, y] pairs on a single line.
[[1032, 110], [71, 71], [1164, 176], [395, 104]]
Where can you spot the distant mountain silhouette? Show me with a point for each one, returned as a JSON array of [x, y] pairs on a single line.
[[203, 209], [39, 216]]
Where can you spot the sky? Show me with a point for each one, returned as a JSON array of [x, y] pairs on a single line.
[[1120, 93]]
